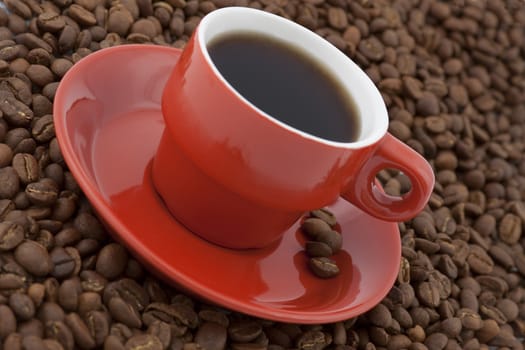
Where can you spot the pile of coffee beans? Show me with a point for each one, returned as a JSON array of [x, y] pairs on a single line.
[[324, 241], [452, 74]]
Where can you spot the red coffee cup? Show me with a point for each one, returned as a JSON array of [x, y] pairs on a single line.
[[237, 177]]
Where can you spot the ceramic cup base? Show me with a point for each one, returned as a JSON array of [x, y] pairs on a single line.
[[217, 214]]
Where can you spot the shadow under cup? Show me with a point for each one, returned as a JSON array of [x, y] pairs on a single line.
[[240, 178]]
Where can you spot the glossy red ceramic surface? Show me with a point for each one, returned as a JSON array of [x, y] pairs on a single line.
[[108, 124], [259, 174]]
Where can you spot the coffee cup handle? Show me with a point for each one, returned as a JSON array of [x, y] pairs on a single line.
[[364, 192]]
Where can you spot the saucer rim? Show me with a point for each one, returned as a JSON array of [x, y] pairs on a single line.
[[120, 232]]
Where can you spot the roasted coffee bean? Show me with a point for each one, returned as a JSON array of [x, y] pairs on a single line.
[[112, 261], [162, 330], [64, 264], [80, 331], [40, 74], [89, 226], [323, 267], [26, 167], [81, 15], [318, 249], [325, 215], [143, 341], [470, 319], [380, 316], [50, 312], [15, 112], [88, 301], [10, 182], [510, 229], [428, 294], [98, 325], [8, 324], [331, 238], [244, 331], [488, 331], [11, 235], [22, 306], [43, 192], [124, 312], [313, 227], [34, 258]]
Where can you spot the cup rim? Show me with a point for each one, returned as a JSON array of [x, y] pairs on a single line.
[[375, 104]]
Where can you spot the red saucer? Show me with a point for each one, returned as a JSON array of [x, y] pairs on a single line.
[[108, 123]]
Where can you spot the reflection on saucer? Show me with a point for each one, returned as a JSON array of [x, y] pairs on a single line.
[[299, 286]]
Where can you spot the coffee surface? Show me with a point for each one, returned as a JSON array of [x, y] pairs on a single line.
[[287, 84]]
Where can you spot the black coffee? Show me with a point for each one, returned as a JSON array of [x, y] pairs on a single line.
[[287, 84]]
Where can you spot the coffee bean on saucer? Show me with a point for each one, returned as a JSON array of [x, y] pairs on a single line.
[[332, 238], [318, 249], [325, 215], [323, 267], [313, 227]]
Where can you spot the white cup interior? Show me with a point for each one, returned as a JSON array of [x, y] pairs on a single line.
[[372, 113]]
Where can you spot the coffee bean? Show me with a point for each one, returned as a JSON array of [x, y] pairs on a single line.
[[451, 327], [331, 238], [112, 261], [11, 235], [469, 319], [436, 341], [15, 112], [8, 324], [98, 325], [488, 331], [64, 264], [22, 306], [311, 340], [121, 331], [428, 294], [123, 312], [337, 18], [43, 193], [493, 284], [34, 258], [244, 332], [119, 20], [162, 330], [318, 249], [325, 215], [26, 166], [80, 331], [493, 313], [479, 261], [143, 341], [323, 267], [313, 227], [88, 301], [129, 290], [81, 15], [380, 316], [211, 336], [510, 229], [89, 226], [371, 48], [112, 342], [180, 312], [39, 74]]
